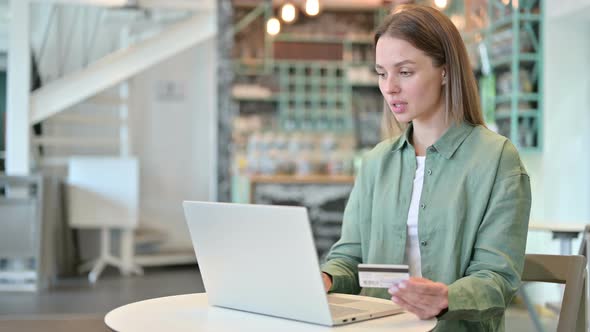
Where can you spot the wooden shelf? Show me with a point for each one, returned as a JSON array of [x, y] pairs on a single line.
[[316, 179], [305, 179], [506, 98], [509, 20], [528, 113], [506, 60]]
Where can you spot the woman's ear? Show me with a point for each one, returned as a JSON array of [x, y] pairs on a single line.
[[444, 76]]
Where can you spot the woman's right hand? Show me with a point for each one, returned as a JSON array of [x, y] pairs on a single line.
[[327, 281]]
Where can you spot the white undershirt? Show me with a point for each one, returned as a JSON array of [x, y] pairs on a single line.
[[412, 255]]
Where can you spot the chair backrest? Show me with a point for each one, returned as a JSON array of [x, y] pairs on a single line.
[[585, 251], [584, 243], [568, 270], [103, 192]]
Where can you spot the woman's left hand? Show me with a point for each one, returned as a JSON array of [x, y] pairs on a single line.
[[422, 297]]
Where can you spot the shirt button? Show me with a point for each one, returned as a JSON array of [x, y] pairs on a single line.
[[429, 172], [423, 206], [424, 243]]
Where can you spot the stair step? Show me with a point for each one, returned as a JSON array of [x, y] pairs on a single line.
[[83, 119], [106, 100], [75, 141], [61, 161]]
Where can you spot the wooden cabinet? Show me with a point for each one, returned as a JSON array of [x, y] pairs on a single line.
[[324, 196]]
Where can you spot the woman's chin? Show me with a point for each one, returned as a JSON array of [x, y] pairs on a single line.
[[402, 118]]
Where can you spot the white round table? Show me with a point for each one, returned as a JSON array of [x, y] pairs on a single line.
[[191, 312]]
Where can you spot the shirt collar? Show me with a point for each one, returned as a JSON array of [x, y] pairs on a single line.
[[403, 139], [446, 145]]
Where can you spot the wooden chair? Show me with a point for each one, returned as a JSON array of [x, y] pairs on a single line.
[[569, 270]]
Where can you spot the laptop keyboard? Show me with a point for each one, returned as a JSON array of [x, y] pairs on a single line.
[[372, 306], [339, 300], [344, 307]]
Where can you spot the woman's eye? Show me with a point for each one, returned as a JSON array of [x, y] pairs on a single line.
[[380, 74], [405, 73]]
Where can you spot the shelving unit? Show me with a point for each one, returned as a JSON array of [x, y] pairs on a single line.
[[310, 102], [512, 32], [313, 96], [321, 89]]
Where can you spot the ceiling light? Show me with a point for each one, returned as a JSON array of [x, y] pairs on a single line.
[[459, 21], [273, 26], [442, 4], [288, 13], [312, 7]]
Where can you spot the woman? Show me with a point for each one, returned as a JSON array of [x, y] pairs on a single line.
[[448, 197]]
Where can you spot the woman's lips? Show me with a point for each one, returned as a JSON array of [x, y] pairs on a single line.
[[398, 107]]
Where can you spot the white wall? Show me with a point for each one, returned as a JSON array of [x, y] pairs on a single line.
[[560, 175], [567, 8], [4, 10], [175, 138], [172, 135], [563, 169]]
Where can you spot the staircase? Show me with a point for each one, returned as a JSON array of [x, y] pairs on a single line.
[[98, 126], [84, 109]]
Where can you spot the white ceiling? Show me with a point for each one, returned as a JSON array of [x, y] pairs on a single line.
[[193, 5], [345, 4], [331, 4], [178, 4]]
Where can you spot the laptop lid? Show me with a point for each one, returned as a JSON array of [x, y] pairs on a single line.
[[258, 258]]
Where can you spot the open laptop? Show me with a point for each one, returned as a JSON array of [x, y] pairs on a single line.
[[262, 259]]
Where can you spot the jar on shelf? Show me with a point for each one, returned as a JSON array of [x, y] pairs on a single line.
[[303, 164]]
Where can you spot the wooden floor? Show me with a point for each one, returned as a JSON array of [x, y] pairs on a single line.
[[75, 305]]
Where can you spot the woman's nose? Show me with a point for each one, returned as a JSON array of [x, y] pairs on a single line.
[[392, 85]]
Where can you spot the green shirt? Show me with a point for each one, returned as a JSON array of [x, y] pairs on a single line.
[[472, 222]]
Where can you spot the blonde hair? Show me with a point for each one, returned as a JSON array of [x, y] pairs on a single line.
[[430, 31]]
